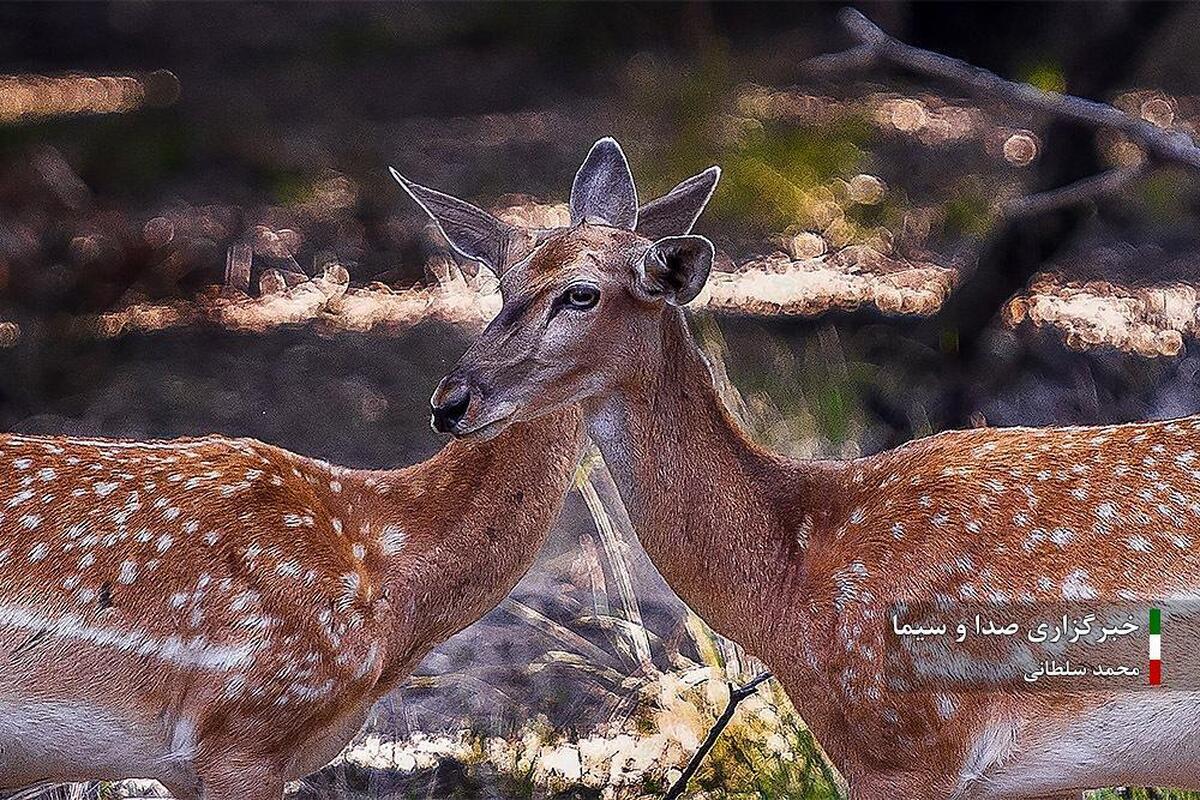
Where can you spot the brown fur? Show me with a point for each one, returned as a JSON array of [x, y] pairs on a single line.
[[802, 561], [250, 600]]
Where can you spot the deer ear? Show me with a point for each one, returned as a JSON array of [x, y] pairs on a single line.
[[471, 231], [603, 190], [676, 211], [675, 268]]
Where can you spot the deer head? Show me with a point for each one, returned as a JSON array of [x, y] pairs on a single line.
[[581, 303]]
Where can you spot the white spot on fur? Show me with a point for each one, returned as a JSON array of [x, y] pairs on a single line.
[[1076, 587], [392, 539], [350, 582], [847, 581], [1139, 543]]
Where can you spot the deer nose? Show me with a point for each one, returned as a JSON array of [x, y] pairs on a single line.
[[449, 406]]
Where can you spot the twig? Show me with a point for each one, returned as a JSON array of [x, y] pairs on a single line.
[[875, 47], [736, 696], [1072, 194]]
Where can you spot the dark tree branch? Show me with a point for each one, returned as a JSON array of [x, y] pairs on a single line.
[[1082, 191], [860, 58], [736, 696], [876, 47], [1036, 228]]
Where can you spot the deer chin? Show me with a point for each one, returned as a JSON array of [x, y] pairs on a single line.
[[491, 426]]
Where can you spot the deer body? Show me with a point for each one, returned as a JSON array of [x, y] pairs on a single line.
[[221, 614], [802, 562]]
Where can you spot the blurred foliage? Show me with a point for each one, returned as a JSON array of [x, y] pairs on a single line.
[[804, 397], [969, 210], [769, 173], [1165, 195], [1045, 75], [767, 170]]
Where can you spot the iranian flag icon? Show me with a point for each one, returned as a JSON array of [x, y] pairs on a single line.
[[1155, 647]]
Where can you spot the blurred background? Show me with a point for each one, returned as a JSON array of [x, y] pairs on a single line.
[[198, 234]]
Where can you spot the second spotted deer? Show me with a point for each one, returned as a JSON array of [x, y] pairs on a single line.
[[803, 562]]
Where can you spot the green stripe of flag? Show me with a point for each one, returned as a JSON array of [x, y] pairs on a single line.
[[1155, 621]]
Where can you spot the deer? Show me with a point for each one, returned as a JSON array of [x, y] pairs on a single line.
[[220, 614], [802, 561]]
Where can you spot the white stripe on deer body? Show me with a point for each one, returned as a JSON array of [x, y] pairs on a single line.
[[201, 603]]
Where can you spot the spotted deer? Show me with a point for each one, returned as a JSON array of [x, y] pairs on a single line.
[[801, 561], [220, 614]]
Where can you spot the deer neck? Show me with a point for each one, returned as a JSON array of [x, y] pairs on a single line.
[[458, 531], [709, 506]]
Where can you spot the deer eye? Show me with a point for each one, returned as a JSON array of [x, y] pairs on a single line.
[[581, 297]]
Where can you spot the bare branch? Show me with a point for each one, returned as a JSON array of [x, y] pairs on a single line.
[[735, 696], [1164, 145], [1083, 191], [858, 58]]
